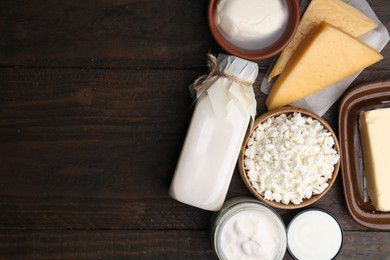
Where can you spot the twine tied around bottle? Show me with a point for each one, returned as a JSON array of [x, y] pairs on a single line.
[[204, 82]]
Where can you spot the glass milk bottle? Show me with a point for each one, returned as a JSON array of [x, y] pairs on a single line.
[[224, 108]]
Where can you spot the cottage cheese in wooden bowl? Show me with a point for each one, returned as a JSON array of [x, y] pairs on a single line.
[[290, 159]]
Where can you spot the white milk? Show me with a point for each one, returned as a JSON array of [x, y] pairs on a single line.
[[215, 135], [314, 234]]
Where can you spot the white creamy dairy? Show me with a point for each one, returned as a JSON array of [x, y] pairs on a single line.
[[250, 234], [263, 20], [246, 229], [314, 234], [215, 135]]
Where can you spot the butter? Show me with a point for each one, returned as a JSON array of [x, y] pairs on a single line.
[[335, 12], [327, 56], [375, 138]]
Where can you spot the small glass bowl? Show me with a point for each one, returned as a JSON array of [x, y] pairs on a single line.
[[238, 205], [316, 233]]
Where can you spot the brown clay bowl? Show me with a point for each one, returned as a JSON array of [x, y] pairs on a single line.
[[275, 113], [263, 52]]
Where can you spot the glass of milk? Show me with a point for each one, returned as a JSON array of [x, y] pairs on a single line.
[[314, 234]]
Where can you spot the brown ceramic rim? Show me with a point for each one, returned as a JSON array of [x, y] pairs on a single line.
[[368, 96], [275, 48], [274, 113]]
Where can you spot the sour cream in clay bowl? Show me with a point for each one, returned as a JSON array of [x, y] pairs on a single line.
[[290, 159], [253, 29]]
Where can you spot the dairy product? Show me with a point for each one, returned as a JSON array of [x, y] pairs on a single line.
[[335, 12], [246, 229], [314, 234], [243, 20], [325, 57], [290, 158], [375, 138], [250, 234], [218, 126]]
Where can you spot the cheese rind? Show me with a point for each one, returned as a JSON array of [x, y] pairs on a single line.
[[375, 138], [335, 12], [327, 56]]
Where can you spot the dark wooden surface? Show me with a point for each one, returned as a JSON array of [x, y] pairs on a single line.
[[94, 107]]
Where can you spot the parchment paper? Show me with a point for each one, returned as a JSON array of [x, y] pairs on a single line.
[[321, 101]]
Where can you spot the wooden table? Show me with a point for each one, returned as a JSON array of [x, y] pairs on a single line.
[[94, 108]]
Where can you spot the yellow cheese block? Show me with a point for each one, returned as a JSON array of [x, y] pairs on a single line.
[[375, 137], [325, 57], [335, 12]]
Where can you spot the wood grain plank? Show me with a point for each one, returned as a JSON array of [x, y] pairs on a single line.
[[105, 33], [110, 33], [150, 244], [366, 245], [77, 146], [124, 244]]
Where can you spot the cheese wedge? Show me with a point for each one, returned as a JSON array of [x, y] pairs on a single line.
[[375, 138], [335, 12], [325, 57]]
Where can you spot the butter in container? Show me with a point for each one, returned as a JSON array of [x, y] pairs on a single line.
[[374, 134]]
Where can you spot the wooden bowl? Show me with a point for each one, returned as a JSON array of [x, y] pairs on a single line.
[[275, 113], [262, 52]]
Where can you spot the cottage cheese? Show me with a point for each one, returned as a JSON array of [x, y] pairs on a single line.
[[290, 158]]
